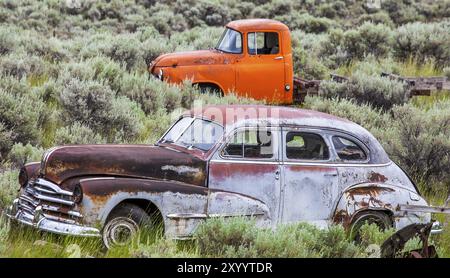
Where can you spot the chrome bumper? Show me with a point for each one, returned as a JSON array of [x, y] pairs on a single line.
[[40, 222]]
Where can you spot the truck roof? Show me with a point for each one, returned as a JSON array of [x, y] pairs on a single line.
[[254, 24], [232, 116]]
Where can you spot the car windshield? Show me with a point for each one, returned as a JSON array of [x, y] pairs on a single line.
[[194, 133], [231, 41]]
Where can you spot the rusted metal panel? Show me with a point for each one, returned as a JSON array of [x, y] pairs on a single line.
[[102, 195], [139, 161], [244, 189], [309, 192], [385, 197]]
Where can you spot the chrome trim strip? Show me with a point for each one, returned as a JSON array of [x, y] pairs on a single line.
[[214, 215], [301, 163], [186, 215], [50, 199], [44, 190], [94, 179], [53, 186]]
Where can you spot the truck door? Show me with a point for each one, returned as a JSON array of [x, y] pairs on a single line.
[[310, 184], [260, 73]]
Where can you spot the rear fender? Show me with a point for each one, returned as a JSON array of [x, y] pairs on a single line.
[[381, 197]]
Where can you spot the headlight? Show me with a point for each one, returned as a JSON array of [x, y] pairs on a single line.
[[77, 194], [23, 176], [160, 74]]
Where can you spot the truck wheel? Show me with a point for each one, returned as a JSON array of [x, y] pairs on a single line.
[[210, 89], [382, 220], [123, 224]]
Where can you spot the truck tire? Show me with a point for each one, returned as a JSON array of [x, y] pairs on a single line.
[[381, 219], [123, 223]]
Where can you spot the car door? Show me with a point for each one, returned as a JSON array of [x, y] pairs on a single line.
[[310, 182], [260, 73], [244, 176]]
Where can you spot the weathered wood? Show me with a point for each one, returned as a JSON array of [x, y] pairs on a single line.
[[417, 86]]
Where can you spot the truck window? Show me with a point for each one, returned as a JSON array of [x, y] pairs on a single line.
[[263, 43], [252, 143], [307, 146], [230, 42]]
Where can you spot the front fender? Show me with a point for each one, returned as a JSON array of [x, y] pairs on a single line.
[[379, 196], [102, 195]]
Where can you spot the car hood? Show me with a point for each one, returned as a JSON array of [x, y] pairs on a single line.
[[188, 58], [140, 161]]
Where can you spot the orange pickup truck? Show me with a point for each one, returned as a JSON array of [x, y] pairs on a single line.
[[253, 58]]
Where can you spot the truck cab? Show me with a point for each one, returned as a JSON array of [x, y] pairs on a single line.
[[253, 58]]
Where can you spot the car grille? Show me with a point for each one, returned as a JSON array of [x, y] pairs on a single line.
[[46, 198]]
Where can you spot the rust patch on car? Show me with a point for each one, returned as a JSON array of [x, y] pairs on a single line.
[[371, 190], [377, 177]]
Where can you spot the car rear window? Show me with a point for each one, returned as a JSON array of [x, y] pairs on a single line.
[[348, 150]]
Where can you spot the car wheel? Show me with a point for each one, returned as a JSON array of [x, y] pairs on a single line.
[[124, 222], [382, 220]]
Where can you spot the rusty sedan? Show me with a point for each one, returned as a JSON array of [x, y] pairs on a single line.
[[277, 165]]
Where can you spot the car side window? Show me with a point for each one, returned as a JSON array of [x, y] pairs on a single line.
[[250, 143], [263, 43], [306, 146], [348, 150]]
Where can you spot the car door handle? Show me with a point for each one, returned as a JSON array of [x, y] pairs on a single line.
[[277, 175], [278, 58], [330, 175]]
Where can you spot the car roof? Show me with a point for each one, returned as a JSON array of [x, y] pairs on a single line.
[[255, 24], [235, 116]]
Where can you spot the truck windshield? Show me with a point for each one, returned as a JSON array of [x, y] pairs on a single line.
[[194, 133], [230, 42]]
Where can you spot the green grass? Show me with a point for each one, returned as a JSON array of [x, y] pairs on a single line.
[[236, 237]]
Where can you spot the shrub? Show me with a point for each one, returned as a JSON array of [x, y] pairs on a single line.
[[423, 41], [147, 92], [94, 104], [22, 66], [367, 39], [6, 140], [239, 237], [219, 237], [7, 41], [86, 102], [77, 133], [377, 91], [21, 154], [127, 51], [377, 18], [9, 185], [21, 117], [420, 142], [311, 24], [362, 114]]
